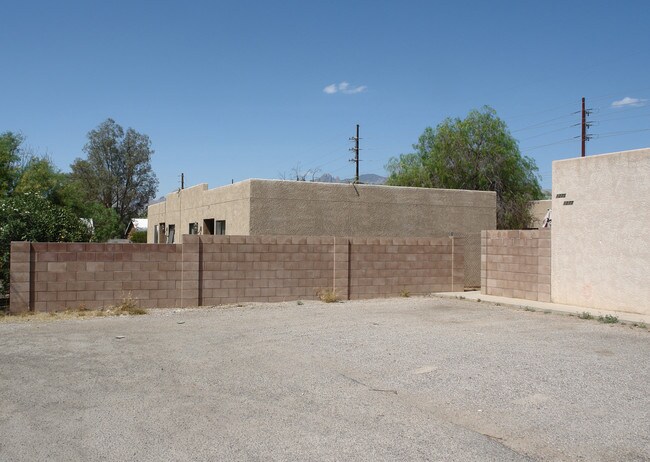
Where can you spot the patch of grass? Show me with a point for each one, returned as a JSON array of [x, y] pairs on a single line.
[[608, 319], [299, 302], [529, 308], [328, 295], [642, 325], [586, 315], [404, 293]]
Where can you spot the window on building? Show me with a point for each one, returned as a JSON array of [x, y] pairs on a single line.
[[170, 234], [163, 234], [155, 234], [208, 226], [220, 227], [194, 228]]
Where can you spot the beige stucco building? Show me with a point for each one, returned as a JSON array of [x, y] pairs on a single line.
[[601, 231], [273, 207], [538, 210]]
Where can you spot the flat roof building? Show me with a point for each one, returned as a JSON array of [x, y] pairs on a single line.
[[276, 207]]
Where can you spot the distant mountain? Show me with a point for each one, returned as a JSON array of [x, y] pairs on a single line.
[[367, 178]]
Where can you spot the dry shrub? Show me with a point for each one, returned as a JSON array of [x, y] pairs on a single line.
[[327, 295]]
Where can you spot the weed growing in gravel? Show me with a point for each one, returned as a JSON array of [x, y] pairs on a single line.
[[404, 293], [529, 308], [585, 315], [128, 306], [327, 295], [608, 319], [299, 302]]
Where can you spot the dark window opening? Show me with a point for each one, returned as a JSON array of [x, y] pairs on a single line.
[[208, 226], [194, 228], [163, 235], [170, 234], [220, 226]]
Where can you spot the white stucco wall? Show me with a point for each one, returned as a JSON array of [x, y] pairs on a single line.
[[601, 243]]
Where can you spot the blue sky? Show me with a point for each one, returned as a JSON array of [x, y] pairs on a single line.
[[235, 90]]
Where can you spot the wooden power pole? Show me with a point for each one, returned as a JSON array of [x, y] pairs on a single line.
[[355, 149]]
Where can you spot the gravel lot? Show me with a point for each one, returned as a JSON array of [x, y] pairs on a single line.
[[397, 379]]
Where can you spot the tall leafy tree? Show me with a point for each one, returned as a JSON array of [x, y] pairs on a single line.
[[117, 172], [31, 217], [9, 157], [475, 153], [41, 176]]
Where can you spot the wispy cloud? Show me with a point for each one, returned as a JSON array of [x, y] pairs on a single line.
[[629, 102], [345, 88]]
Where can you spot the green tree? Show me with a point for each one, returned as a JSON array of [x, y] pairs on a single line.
[[475, 153], [106, 222], [117, 172], [31, 217], [41, 176], [9, 158], [139, 237]]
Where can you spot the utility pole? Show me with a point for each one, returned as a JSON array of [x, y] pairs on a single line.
[[182, 181], [585, 126], [355, 149]]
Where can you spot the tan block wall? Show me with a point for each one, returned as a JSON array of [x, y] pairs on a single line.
[[516, 264], [57, 276], [601, 242], [381, 267], [263, 268], [211, 270]]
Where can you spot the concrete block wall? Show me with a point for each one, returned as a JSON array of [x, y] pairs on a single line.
[[213, 270], [383, 267], [516, 264], [57, 276], [262, 268]]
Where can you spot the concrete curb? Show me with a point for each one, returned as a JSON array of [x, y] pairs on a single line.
[[543, 306]]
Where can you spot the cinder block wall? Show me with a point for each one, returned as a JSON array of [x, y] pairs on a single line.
[[516, 264], [212, 270], [384, 267], [56, 276], [263, 268]]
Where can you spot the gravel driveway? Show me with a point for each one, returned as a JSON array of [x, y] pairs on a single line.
[[396, 379]]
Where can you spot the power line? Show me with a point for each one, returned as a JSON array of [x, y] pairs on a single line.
[[542, 124], [625, 118], [621, 133], [567, 140], [551, 131]]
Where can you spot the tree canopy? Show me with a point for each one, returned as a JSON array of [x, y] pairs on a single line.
[[32, 217], [9, 157], [117, 172], [475, 153]]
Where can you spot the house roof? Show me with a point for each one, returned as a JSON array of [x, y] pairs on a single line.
[[139, 224]]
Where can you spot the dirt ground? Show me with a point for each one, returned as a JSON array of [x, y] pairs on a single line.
[[395, 379]]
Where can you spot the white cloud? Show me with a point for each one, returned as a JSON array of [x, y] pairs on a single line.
[[627, 102], [345, 88]]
